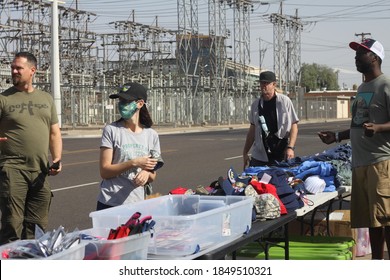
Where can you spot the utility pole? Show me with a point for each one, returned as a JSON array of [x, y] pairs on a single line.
[[260, 60], [261, 53], [362, 35], [288, 69], [55, 61]]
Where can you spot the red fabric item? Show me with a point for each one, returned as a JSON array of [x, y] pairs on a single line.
[[119, 232], [268, 188], [178, 190]]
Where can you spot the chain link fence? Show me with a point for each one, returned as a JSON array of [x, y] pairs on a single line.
[[177, 110]]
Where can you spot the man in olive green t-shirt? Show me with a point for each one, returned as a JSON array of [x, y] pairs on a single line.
[[28, 130]]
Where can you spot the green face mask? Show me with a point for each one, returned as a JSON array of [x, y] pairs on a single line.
[[127, 110]]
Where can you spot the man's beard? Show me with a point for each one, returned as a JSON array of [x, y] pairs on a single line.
[[363, 68], [16, 80]]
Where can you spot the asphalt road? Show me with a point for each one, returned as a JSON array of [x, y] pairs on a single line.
[[191, 159]]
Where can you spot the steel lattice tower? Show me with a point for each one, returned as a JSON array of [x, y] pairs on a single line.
[[189, 77], [188, 50], [287, 50], [217, 57], [241, 54], [295, 52], [241, 14], [138, 52], [26, 26], [280, 54]]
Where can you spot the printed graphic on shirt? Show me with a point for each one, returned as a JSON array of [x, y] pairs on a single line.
[[27, 107], [360, 109], [132, 151]]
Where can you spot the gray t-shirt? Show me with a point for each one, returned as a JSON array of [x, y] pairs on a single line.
[[372, 104], [126, 145]]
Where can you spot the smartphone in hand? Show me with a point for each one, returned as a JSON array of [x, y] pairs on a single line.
[[54, 166]]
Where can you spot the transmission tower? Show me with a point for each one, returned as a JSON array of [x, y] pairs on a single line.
[[79, 64], [217, 58], [26, 26], [188, 75], [241, 53], [138, 52], [188, 50], [287, 49], [294, 53]]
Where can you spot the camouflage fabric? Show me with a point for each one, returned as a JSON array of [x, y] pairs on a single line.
[[267, 207], [250, 191]]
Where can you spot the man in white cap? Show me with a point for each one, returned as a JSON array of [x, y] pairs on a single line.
[[370, 141]]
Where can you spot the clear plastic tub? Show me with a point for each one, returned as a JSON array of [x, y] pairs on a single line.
[[74, 253], [185, 224], [133, 247]]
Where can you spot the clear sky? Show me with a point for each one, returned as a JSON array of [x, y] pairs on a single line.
[[329, 26]]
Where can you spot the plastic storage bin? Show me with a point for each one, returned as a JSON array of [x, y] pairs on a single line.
[[74, 253], [305, 248], [133, 247], [185, 224]]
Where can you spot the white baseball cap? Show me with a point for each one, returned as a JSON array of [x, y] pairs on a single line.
[[371, 45]]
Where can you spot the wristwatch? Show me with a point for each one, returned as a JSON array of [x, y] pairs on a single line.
[[291, 147], [337, 137]]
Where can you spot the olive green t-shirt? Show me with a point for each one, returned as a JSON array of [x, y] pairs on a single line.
[[25, 119]]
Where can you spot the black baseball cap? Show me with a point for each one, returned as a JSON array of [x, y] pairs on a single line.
[[267, 76], [131, 91]]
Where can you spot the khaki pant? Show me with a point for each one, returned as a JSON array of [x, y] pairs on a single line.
[[370, 197], [24, 202]]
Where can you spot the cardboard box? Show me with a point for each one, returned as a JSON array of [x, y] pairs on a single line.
[[339, 224]]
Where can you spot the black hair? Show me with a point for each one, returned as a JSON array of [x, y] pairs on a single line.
[[29, 56], [144, 117]]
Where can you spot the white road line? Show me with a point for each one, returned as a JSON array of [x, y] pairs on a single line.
[[230, 158], [77, 186]]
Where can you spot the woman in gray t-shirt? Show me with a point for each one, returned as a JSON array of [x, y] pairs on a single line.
[[126, 164]]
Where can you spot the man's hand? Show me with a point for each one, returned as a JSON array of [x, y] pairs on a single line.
[[289, 153], [3, 139], [370, 129], [328, 137], [55, 168], [246, 160]]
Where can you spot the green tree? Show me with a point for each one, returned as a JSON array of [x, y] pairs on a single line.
[[316, 77]]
